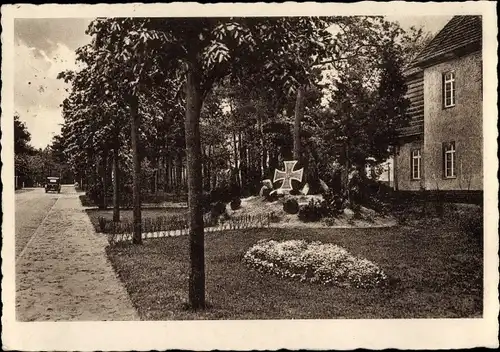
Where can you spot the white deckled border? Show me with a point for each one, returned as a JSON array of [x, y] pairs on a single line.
[[245, 335]]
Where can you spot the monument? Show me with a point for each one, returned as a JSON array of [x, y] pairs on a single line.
[[287, 176]]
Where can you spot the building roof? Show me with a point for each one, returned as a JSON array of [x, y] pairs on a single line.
[[461, 32]]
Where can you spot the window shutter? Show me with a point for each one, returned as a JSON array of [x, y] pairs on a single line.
[[443, 158], [443, 90], [454, 89], [422, 162], [411, 164], [457, 164]]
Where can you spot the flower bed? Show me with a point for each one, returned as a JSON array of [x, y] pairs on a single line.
[[313, 262]]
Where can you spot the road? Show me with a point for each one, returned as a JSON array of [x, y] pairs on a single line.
[[32, 206]]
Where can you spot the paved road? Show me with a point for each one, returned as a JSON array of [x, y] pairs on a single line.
[[62, 272], [32, 205]]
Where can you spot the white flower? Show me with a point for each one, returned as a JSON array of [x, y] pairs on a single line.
[[313, 262]]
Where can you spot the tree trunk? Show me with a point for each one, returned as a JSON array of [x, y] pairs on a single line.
[[178, 170], [105, 179], [243, 162], [208, 164], [167, 174], [170, 174], [395, 168], [116, 183], [136, 174], [263, 148], [299, 114], [346, 173], [236, 166], [174, 174], [213, 182], [196, 230], [243, 166]]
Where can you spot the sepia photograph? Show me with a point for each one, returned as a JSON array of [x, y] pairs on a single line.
[[217, 170]]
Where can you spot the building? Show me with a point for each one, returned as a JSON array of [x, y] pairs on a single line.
[[442, 148]]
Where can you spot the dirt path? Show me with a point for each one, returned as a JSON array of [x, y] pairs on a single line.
[[63, 273]]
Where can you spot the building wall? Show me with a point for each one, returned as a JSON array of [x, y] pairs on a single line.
[[402, 165], [461, 124]]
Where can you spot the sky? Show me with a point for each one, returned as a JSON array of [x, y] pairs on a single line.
[[44, 47]]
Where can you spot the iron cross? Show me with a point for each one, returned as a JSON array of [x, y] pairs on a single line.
[[288, 175]]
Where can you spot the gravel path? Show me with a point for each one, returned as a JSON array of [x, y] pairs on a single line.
[[63, 273]]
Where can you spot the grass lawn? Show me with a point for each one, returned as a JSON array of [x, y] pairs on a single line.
[[436, 271], [126, 214]]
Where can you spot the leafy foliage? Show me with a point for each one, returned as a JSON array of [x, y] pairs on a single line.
[[333, 203], [291, 206], [210, 92], [235, 203], [22, 137], [311, 212]]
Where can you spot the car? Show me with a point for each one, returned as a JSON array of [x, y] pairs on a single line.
[[53, 184]]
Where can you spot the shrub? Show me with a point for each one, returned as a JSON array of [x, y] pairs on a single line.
[[225, 192], [102, 223], [95, 193], [311, 212], [291, 206], [314, 262], [85, 200], [216, 211], [329, 221], [332, 177], [333, 203], [295, 192], [356, 208], [206, 201], [126, 197], [235, 203], [378, 205]]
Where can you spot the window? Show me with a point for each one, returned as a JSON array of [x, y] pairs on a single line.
[[449, 89], [416, 162], [449, 160]]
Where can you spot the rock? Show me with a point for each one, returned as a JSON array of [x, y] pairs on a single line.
[[274, 195], [368, 211], [305, 189], [324, 186], [264, 191], [267, 183], [277, 192], [349, 213]]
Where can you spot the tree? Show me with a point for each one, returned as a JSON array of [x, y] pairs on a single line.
[[362, 119], [137, 63], [22, 137], [23, 151], [208, 50]]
